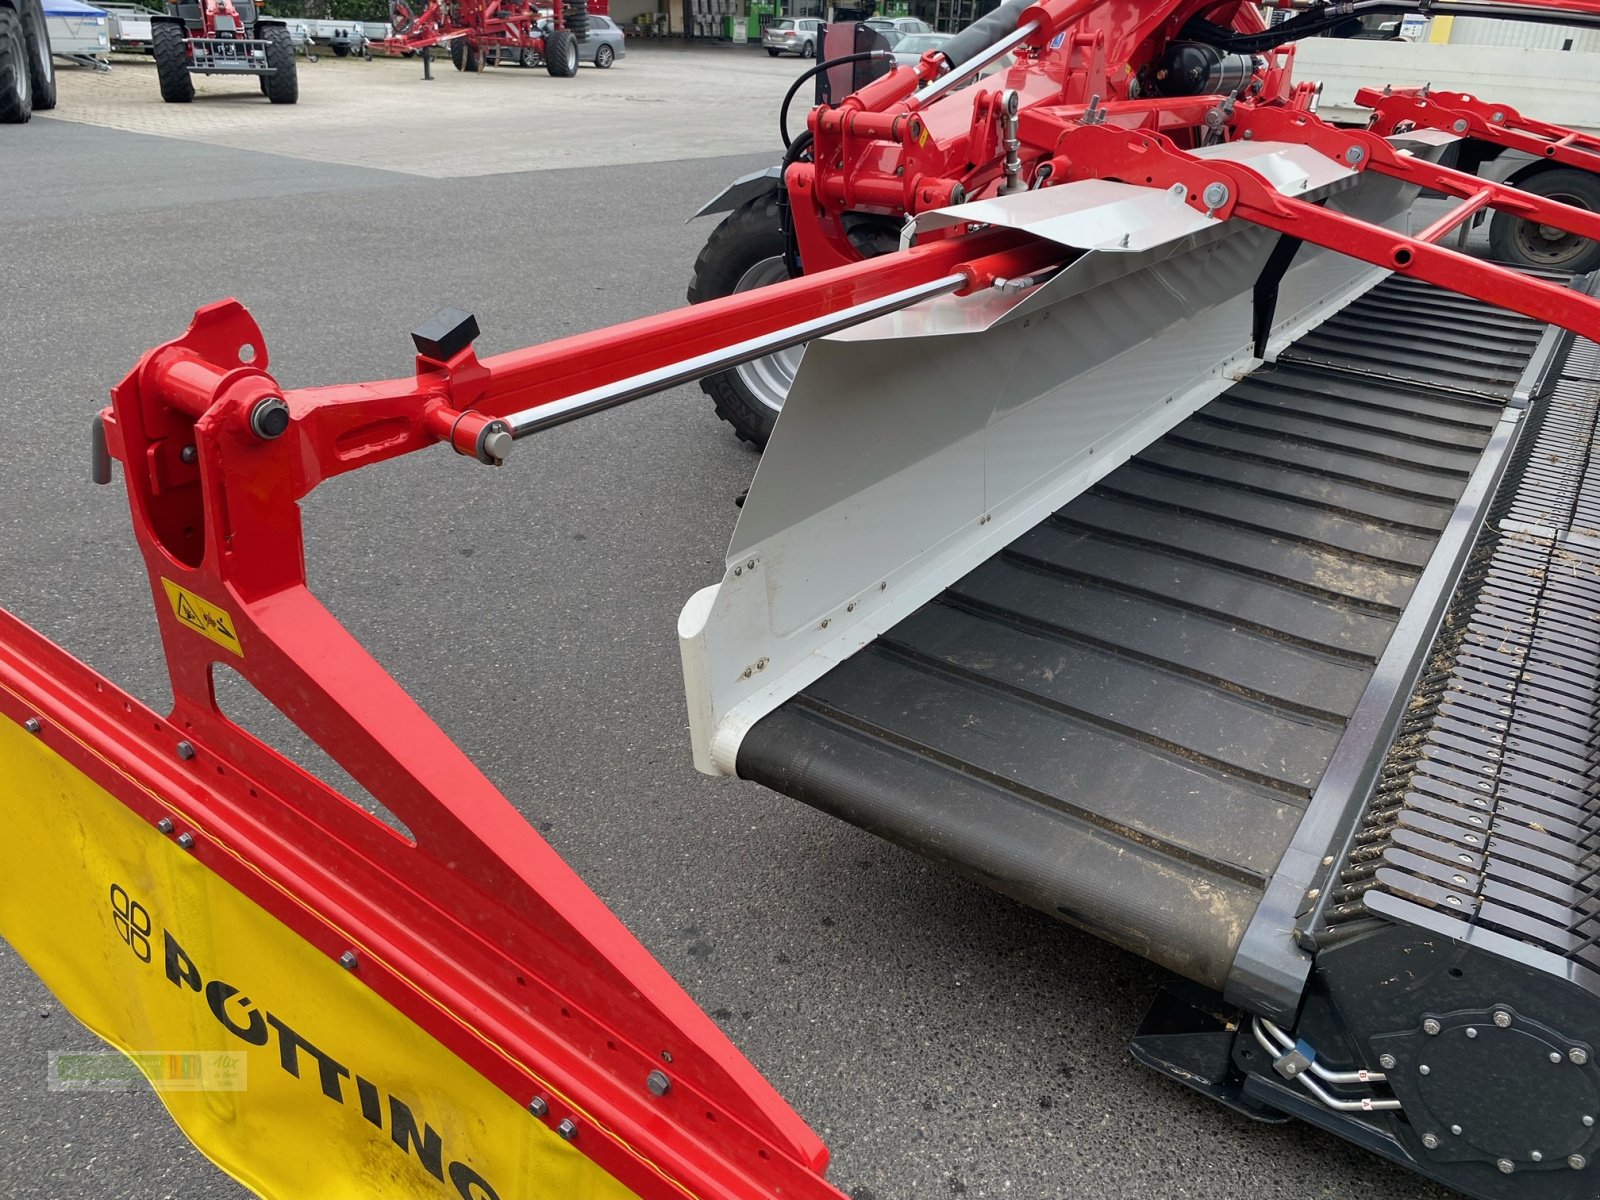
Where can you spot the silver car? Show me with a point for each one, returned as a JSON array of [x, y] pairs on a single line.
[[602, 45], [793, 35], [900, 25], [908, 51]]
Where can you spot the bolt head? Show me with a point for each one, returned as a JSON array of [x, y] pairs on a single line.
[[1506, 1166], [1456, 1129], [567, 1129], [1354, 155], [1431, 1140], [1577, 1162], [1555, 1057], [1424, 1069], [1430, 1027], [1578, 1055], [186, 750], [658, 1083], [164, 825], [1461, 127], [495, 447], [269, 418], [186, 840], [1537, 1156], [1386, 1061], [1588, 1122], [538, 1106], [188, 454], [349, 961], [1502, 1018]]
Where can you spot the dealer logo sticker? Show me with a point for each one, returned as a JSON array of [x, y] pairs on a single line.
[[132, 920]]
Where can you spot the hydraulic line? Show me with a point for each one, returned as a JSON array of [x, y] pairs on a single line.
[[1322, 1095]]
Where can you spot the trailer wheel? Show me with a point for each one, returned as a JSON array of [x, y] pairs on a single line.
[[283, 85], [465, 56], [16, 84], [340, 51], [172, 63], [41, 68], [604, 56], [742, 253], [1530, 244], [561, 54]]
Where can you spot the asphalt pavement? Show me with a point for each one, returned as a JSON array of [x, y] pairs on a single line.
[[942, 1040]]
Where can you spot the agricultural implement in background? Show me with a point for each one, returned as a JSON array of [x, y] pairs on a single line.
[[483, 33], [222, 37], [1211, 563]]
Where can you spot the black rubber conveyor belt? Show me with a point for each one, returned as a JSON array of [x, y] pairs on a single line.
[[1121, 718]]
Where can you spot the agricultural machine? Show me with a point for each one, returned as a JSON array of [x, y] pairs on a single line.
[[483, 33], [222, 37], [1163, 528], [27, 72]]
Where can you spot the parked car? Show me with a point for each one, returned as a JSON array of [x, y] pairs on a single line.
[[793, 35], [900, 25], [908, 51], [602, 45]]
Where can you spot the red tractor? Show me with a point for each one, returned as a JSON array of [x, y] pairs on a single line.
[[482, 33], [222, 37]]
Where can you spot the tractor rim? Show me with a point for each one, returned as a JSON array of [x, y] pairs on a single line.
[[769, 379], [1547, 245]]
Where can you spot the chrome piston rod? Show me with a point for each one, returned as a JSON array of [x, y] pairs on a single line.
[[570, 408], [959, 75]]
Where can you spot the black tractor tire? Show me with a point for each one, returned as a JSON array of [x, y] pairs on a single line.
[[16, 84], [1526, 243], [172, 63], [41, 68], [561, 54], [771, 53], [283, 85], [262, 80], [465, 56], [340, 51], [575, 16], [739, 249], [604, 56]]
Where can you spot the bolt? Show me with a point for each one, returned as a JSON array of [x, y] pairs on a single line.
[[1456, 900], [1577, 1162], [567, 1129], [269, 418], [538, 1107], [1502, 1018], [1506, 1166], [32, 725], [1461, 879], [186, 840], [349, 961], [1431, 1140], [1216, 195], [494, 443], [186, 750], [164, 825], [1578, 1055], [1472, 1033], [1456, 1129], [1386, 1061], [658, 1083], [1537, 1156], [1430, 1027], [738, 570], [1555, 1057], [1354, 155], [851, 607], [1588, 1122], [1461, 127], [1424, 1069], [1498, 117], [188, 454], [761, 664], [751, 565], [826, 621]]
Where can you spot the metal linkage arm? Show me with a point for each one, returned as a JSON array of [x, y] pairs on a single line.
[[1455, 112], [1230, 190]]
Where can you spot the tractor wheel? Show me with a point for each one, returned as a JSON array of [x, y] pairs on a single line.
[[465, 56], [340, 51], [575, 16], [283, 85], [604, 56], [745, 252], [1530, 244], [172, 63], [41, 68], [262, 80], [561, 53], [16, 83]]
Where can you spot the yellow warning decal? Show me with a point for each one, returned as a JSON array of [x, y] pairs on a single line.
[[204, 617], [287, 1070]]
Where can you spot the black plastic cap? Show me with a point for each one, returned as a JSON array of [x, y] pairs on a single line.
[[445, 334]]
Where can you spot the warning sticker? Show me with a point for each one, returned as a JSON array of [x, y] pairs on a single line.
[[203, 617]]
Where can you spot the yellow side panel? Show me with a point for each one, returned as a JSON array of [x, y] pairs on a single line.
[[285, 1069], [1439, 29]]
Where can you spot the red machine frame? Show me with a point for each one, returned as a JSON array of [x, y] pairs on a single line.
[[478, 931], [485, 27]]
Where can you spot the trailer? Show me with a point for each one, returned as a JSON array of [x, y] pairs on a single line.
[[1137, 538]]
